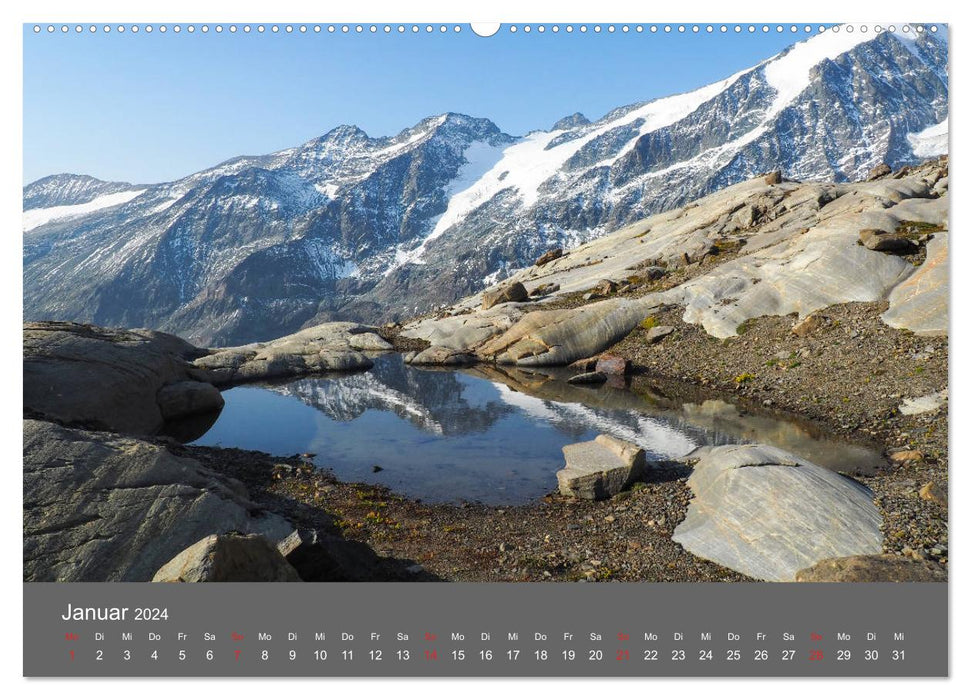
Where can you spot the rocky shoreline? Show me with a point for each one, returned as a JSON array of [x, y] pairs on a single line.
[[753, 292]]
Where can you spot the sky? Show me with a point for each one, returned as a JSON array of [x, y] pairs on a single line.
[[154, 107]]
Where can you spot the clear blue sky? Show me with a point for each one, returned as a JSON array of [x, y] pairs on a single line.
[[153, 107]]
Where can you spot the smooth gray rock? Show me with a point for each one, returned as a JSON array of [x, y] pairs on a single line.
[[768, 514], [228, 558], [920, 303], [600, 468], [438, 355], [657, 333], [329, 347], [101, 507], [103, 378]]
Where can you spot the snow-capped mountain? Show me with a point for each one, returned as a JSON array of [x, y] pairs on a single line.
[[349, 226]]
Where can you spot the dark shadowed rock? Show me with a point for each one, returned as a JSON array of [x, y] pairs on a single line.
[[883, 241], [510, 292], [588, 378], [228, 558], [102, 507], [188, 398], [880, 568], [103, 378], [321, 557]]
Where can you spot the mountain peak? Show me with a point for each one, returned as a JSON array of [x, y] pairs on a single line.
[[571, 122]]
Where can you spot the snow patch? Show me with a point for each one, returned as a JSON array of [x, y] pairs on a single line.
[[34, 218], [932, 141]]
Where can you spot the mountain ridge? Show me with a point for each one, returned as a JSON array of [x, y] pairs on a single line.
[[350, 226]]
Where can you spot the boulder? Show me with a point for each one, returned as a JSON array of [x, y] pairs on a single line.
[[549, 256], [612, 364], [907, 456], [656, 333], [768, 514], [506, 293], [588, 378], [883, 241], [317, 556], [600, 468], [188, 398], [102, 507], [438, 355], [808, 325], [934, 493], [561, 336], [228, 558], [103, 378], [652, 272], [605, 288], [879, 171], [879, 568], [923, 404]]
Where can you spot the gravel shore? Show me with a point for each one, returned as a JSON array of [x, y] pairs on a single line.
[[848, 376]]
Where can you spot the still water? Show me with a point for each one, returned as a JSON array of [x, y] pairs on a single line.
[[484, 433]]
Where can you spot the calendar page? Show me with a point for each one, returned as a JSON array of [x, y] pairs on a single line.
[[485, 350]]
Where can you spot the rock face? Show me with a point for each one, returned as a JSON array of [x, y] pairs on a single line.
[[601, 468], [351, 226], [920, 303], [228, 558], [768, 514], [102, 507], [329, 347], [800, 256], [110, 379], [872, 569], [504, 294]]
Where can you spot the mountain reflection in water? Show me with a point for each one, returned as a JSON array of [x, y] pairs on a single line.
[[484, 433]]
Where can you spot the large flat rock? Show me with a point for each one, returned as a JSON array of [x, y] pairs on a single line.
[[102, 507], [765, 513], [329, 347], [110, 379]]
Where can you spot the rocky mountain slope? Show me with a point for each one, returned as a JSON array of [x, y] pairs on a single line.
[[350, 226]]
